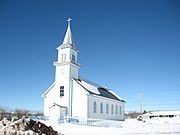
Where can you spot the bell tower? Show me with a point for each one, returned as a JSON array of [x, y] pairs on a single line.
[[66, 69]]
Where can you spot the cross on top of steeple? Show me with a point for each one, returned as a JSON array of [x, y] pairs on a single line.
[[68, 39], [69, 21]]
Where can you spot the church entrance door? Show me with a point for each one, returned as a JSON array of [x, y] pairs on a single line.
[[63, 111]]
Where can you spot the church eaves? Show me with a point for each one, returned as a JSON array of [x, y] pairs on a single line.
[[100, 90]]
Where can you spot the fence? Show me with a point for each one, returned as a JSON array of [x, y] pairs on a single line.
[[90, 122], [38, 118]]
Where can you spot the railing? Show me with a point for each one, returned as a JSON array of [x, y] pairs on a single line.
[[90, 122], [38, 117]]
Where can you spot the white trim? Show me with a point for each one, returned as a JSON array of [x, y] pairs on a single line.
[[115, 94], [101, 97], [44, 95], [86, 92], [54, 104], [75, 64], [64, 46]]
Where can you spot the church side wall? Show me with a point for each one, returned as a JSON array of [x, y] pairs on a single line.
[[54, 113], [104, 112], [79, 101], [48, 101], [62, 73]]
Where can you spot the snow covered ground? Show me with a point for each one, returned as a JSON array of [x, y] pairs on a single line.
[[156, 126]]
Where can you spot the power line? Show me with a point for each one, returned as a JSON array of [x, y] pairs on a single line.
[[133, 102], [132, 105], [167, 104], [161, 104], [150, 90], [160, 91]]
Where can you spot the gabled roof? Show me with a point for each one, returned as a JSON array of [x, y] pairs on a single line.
[[96, 89], [106, 93], [44, 94], [55, 104]]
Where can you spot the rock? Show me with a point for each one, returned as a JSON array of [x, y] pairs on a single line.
[[14, 118], [41, 128], [4, 121], [24, 127]]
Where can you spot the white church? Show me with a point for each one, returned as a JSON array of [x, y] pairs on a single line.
[[73, 96]]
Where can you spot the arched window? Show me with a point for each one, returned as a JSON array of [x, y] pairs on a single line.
[[120, 110], [112, 109], [63, 58], [73, 57], [94, 107], [116, 109], [101, 108], [107, 109]]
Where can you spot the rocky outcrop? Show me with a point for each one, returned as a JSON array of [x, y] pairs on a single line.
[[26, 127], [41, 128]]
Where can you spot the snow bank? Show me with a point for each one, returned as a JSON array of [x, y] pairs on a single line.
[[158, 126], [155, 126], [26, 127]]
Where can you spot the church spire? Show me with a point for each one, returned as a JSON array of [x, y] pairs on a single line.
[[68, 39]]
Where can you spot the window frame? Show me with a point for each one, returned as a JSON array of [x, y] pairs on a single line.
[[112, 109], [116, 109], [101, 108], [107, 108], [120, 110], [61, 91], [94, 107], [73, 57], [63, 58]]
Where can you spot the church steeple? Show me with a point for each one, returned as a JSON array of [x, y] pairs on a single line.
[[68, 39], [67, 55]]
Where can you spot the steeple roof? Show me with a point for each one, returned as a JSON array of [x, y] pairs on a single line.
[[68, 39]]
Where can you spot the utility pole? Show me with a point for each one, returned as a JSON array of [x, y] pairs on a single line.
[[140, 99]]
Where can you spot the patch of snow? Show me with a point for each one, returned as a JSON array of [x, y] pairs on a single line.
[[156, 126], [89, 87]]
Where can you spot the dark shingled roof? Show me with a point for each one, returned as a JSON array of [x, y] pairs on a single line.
[[104, 92]]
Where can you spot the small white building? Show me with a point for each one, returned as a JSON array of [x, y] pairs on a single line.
[[71, 95], [161, 114]]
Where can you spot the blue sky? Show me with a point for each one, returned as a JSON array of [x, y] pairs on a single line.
[[128, 45]]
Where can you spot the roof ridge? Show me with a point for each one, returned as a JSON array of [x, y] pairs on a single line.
[[90, 82]]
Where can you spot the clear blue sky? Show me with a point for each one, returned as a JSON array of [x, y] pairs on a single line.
[[129, 45]]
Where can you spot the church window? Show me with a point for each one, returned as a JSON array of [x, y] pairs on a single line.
[[94, 107], [101, 108], [112, 109], [73, 57], [116, 109], [120, 110], [63, 57], [61, 91], [107, 109]]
